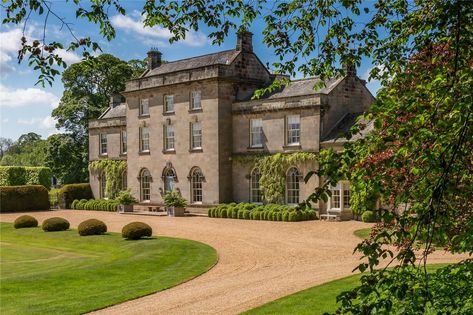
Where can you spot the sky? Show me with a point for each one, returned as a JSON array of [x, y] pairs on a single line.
[[26, 107]]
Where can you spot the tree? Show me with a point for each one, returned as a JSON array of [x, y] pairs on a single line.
[[28, 150], [5, 144], [88, 86]]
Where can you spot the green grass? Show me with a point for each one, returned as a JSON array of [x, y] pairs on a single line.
[[64, 273], [363, 233], [315, 300]]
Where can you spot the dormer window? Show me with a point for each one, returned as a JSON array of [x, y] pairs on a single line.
[[144, 107]]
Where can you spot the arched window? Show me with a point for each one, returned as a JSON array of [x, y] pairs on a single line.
[[169, 178], [255, 190], [145, 185], [124, 180], [292, 186], [103, 183], [196, 178]]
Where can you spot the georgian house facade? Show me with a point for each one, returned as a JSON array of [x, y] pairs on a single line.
[[181, 125]]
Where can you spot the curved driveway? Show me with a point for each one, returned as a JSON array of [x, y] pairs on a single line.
[[259, 261]]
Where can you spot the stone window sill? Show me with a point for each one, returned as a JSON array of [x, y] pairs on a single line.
[[196, 150], [195, 110], [144, 153], [103, 155], [292, 147], [168, 113], [169, 151], [143, 116], [255, 148]]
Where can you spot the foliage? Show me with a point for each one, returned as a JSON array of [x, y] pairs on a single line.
[[174, 199], [23, 198], [55, 224], [20, 175], [91, 227], [25, 221], [126, 198], [273, 170], [53, 197], [28, 150], [269, 212], [69, 193], [369, 216], [95, 204], [68, 158], [98, 279], [113, 170], [136, 230]]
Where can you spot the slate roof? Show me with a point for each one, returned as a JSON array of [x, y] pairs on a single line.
[[114, 112], [349, 120], [304, 87], [225, 57]]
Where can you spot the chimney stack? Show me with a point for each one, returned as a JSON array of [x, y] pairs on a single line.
[[244, 41], [349, 69], [154, 58]]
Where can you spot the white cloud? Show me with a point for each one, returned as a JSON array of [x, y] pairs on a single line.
[[43, 123], [129, 24], [68, 57], [18, 97]]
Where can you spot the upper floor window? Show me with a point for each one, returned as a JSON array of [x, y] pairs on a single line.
[[196, 135], [144, 139], [168, 137], [169, 103], [292, 186], [195, 100], [256, 133], [103, 144], [293, 129], [144, 107], [123, 142]]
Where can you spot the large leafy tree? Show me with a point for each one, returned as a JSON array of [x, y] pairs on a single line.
[[417, 159], [28, 150]]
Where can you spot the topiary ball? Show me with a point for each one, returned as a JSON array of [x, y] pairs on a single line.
[[92, 227], [136, 230], [55, 224], [368, 217], [25, 221]]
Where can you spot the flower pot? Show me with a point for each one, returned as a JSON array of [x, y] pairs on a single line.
[[125, 208], [176, 211]]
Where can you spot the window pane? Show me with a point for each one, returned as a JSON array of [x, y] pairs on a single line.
[[292, 186], [103, 143], [145, 185], [196, 135], [195, 103], [293, 130], [168, 137], [144, 135], [144, 107], [336, 198], [169, 103], [196, 185], [255, 190], [124, 142], [256, 132]]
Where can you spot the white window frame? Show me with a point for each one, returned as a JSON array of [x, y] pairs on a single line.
[[293, 186], [123, 142], [169, 138], [340, 198], [256, 194], [145, 185], [103, 145], [144, 141], [197, 179], [196, 100], [293, 132], [256, 133], [144, 107], [169, 102], [196, 136]]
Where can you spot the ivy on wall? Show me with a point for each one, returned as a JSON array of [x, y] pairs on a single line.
[[273, 168], [113, 170]]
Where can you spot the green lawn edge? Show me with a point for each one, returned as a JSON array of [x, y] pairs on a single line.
[[363, 233], [27, 287]]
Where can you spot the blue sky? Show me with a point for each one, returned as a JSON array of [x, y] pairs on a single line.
[[25, 107]]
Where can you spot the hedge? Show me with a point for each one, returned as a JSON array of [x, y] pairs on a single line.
[[25, 175], [91, 227], [25, 221], [55, 224], [95, 204], [136, 230], [270, 212], [23, 198], [69, 193]]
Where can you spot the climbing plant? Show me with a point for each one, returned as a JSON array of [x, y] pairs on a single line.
[[273, 169], [113, 170]]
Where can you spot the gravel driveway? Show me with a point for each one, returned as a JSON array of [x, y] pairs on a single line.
[[259, 261]]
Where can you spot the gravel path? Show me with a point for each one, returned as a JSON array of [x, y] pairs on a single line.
[[259, 261]]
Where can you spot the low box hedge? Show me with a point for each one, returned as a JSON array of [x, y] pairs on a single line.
[[95, 204], [23, 198], [269, 212], [71, 192], [25, 175]]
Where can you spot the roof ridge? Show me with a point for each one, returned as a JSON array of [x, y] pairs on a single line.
[[218, 52]]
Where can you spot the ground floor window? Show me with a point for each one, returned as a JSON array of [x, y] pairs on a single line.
[[124, 180], [255, 190], [340, 198], [292, 186], [196, 185], [103, 184], [145, 185]]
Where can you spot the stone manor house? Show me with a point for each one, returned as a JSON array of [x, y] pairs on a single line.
[[182, 123]]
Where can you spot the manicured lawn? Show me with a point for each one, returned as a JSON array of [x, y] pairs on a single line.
[[314, 301], [363, 233], [64, 273]]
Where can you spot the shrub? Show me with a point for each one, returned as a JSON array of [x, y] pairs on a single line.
[[126, 198], [223, 213], [25, 221], [25, 175], [368, 217], [285, 216], [292, 216], [23, 198], [136, 230], [174, 199], [93, 204], [246, 214], [209, 212], [91, 227], [70, 192], [55, 224]]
